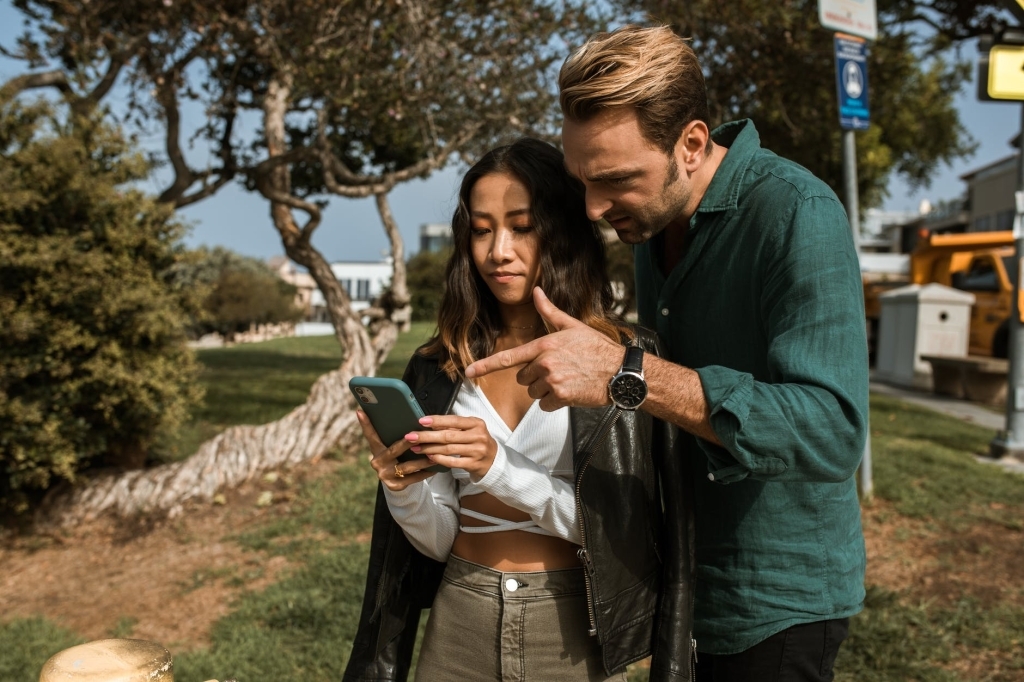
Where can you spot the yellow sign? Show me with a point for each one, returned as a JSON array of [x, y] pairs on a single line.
[[1006, 71]]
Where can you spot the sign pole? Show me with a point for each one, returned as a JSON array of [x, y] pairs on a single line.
[[852, 91], [852, 201], [1011, 440], [856, 21], [1001, 79]]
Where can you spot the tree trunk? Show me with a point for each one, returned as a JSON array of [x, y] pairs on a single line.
[[234, 456], [308, 432], [401, 310]]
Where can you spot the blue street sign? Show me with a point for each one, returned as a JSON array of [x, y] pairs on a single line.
[[852, 82]]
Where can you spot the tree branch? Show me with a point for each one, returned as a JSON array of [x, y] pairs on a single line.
[[34, 81], [354, 185], [396, 302], [83, 105], [272, 175], [13, 55], [184, 177], [167, 98], [56, 78], [205, 191]]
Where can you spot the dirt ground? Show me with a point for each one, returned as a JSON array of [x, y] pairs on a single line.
[[164, 580], [169, 581], [982, 562]]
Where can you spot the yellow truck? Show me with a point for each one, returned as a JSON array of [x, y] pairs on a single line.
[[981, 263]]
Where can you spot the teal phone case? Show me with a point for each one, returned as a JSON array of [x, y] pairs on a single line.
[[392, 409]]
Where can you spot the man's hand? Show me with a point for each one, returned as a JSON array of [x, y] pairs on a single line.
[[570, 366]]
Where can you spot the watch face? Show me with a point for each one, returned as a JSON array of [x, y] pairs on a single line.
[[628, 390]]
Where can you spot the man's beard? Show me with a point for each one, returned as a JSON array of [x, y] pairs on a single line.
[[646, 225]]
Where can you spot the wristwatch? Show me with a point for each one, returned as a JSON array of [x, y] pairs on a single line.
[[628, 389]]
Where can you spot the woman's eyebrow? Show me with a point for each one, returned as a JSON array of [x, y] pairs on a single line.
[[508, 214]]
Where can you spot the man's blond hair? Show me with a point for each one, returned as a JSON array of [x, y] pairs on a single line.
[[652, 70]]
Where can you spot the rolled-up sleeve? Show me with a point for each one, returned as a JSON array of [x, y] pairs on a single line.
[[806, 420]]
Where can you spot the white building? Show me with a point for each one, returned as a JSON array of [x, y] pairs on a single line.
[[363, 281]]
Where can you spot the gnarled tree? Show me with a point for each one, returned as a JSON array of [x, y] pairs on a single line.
[[349, 98]]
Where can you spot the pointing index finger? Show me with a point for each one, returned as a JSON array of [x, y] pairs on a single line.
[[520, 355]]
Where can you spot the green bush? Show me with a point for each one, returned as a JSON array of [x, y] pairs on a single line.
[[236, 292], [424, 275], [94, 368], [241, 298]]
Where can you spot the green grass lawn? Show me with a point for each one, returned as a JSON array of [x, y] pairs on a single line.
[[256, 383], [925, 469], [300, 628]]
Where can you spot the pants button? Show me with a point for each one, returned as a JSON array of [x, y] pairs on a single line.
[[511, 584]]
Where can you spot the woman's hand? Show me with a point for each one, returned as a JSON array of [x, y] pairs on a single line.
[[392, 473], [455, 442]]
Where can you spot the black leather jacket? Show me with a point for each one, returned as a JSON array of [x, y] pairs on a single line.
[[634, 495]]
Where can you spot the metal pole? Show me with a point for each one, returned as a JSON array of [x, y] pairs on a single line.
[[867, 486], [1011, 441], [850, 185]]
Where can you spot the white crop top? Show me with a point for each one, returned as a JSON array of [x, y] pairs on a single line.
[[532, 472]]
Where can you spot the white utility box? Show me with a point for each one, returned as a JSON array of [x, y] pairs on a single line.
[[920, 320]]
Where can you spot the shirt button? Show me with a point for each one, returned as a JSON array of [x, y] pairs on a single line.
[[711, 477], [664, 311], [511, 584]]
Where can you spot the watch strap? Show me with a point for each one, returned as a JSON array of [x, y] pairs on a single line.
[[634, 360]]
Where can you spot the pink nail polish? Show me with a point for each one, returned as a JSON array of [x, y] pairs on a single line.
[[426, 421]]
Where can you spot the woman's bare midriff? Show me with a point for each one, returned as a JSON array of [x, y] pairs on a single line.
[[510, 550]]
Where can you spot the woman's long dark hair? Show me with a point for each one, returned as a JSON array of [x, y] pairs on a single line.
[[572, 266]]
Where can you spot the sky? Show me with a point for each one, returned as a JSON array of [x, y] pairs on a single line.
[[991, 124], [351, 229]]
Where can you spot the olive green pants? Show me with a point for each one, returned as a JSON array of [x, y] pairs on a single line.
[[490, 626]]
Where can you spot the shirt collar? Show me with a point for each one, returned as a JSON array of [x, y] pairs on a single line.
[[742, 141]]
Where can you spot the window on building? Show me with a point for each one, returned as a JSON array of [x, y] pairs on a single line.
[[1004, 220], [363, 290], [983, 224], [346, 284]]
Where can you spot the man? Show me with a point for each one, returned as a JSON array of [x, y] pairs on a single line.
[[746, 268]]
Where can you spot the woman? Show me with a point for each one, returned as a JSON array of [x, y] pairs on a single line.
[[545, 525]]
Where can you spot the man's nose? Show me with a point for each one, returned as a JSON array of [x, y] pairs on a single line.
[[597, 205]]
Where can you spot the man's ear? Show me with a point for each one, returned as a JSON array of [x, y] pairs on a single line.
[[692, 145]]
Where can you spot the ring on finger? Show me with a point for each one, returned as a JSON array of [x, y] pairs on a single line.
[[398, 472]]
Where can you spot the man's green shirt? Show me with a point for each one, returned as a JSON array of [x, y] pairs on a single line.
[[767, 306]]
